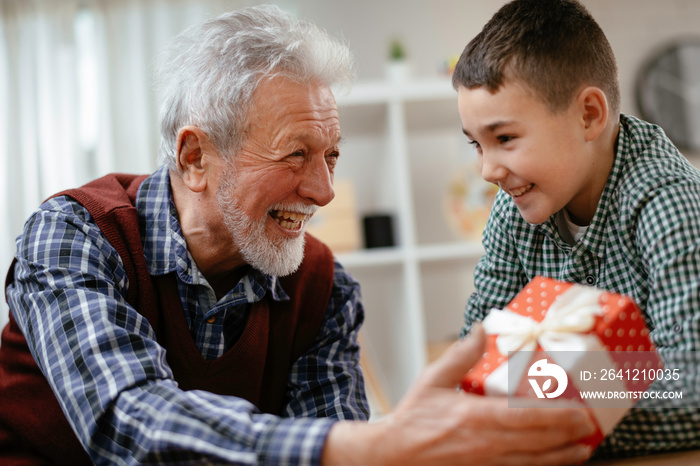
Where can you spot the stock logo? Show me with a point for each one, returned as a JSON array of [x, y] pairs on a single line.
[[543, 370]]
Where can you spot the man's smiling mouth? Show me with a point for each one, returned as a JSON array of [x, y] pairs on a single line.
[[289, 220]]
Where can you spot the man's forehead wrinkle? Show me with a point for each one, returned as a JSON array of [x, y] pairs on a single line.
[[283, 139]]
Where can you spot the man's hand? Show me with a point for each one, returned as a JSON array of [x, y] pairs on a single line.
[[435, 424]]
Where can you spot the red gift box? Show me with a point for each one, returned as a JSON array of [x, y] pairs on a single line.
[[585, 332]]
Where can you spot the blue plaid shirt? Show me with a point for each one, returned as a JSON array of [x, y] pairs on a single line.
[[643, 242], [110, 376]]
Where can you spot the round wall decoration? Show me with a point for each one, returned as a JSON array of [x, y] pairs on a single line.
[[668, 92]]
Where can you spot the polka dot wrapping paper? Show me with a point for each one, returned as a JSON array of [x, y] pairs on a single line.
[[614, 329]]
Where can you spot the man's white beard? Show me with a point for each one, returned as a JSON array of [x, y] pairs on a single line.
[[273, 256]]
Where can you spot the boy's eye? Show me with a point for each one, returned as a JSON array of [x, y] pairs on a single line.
[[474, 144], [503, 139]]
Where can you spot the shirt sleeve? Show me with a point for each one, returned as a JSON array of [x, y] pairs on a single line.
[[327, 380], [668, 242], [110, 375], [498, 276]]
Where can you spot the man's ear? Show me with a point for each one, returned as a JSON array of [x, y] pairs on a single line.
[[192, 145], [594, 111]]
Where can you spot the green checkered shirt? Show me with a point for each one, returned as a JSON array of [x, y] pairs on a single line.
[[644, 242]]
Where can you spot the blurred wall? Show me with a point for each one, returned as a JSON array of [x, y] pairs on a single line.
[[433, 30]]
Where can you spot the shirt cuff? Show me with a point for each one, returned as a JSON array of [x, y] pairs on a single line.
[[295, 441]]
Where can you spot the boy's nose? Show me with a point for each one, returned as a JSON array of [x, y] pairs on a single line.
[[492, 171]]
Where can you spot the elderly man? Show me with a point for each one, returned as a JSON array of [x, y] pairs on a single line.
[[186, 316]]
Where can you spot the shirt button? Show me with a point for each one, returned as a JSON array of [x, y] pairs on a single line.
[[211, 319], [590, 280], [677, 328]]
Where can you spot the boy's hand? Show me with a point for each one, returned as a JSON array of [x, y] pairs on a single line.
[[435, 424]]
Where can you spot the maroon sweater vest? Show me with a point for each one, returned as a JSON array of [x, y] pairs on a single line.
[[34, 430]]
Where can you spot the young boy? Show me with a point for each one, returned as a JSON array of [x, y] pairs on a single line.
[[587, 194]]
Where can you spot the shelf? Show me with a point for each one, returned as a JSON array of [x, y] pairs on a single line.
[[376, 92], [450, 251], [423, 253], [371, 257]]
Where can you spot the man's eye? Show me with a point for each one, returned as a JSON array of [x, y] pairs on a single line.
[[332, 158], [298, 153]]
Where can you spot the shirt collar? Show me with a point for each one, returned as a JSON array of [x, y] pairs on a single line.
[[165, 248]]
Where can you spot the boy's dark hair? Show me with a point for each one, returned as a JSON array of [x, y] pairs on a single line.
[[554, 47]]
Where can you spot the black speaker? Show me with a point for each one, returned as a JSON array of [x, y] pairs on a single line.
[[379, 231]]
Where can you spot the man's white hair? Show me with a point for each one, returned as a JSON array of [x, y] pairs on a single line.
[[208, 74]]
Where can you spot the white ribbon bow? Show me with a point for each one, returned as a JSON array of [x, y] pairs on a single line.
[[563, 328]]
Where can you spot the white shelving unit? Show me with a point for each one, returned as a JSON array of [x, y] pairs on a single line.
[[402, 142]]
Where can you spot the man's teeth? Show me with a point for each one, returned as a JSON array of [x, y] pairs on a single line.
[[520, 191], [289, 220]]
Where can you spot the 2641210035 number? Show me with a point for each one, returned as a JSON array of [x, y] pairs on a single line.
[[639, 374]]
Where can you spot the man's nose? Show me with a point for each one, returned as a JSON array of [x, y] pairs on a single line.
[[316, 184]]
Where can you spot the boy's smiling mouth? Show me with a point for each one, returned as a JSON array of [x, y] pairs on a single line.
[[519, 191]]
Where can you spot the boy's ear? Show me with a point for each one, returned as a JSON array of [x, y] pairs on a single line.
[[594, 111], [192, 146]]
